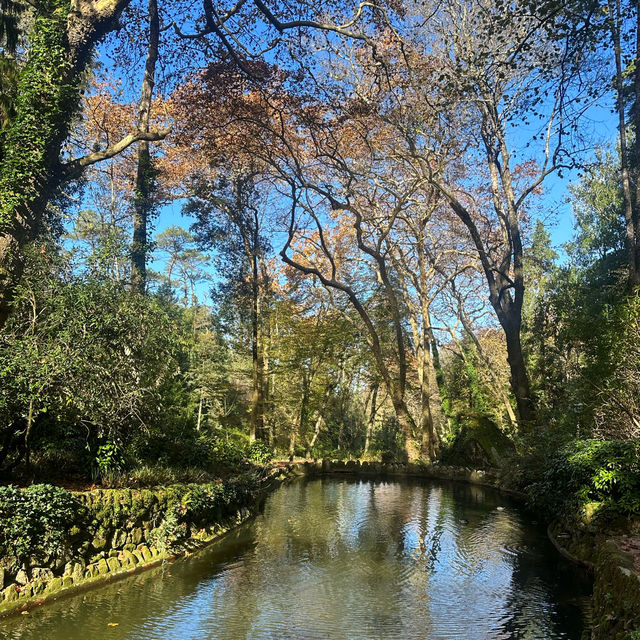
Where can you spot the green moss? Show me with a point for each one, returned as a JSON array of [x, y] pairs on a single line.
[[53, 586], [479, 444], [103, 567], [47, 101], [616, 602], [114, 564]]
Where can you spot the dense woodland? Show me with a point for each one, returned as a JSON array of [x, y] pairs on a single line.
[[231, 231]]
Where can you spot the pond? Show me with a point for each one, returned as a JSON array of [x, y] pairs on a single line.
[[344, 558]]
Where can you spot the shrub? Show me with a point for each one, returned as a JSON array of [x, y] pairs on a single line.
[[602, 471], [259, 453], [35, 521], [201, 505], [226, 454], [109, 461]]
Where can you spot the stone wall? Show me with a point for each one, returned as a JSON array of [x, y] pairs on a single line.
[[615, 610], [120, 531]]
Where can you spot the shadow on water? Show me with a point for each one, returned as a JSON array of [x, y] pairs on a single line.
[[344, 558]]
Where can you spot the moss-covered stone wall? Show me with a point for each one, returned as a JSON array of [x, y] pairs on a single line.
[[119, 531]]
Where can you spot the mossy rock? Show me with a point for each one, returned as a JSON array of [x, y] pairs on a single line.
[[103, 567], [11, 593], [54, 585], [128, 559], [480, 444], [98, 543], [114, 564]]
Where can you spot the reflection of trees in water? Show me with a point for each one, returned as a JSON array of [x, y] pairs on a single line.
[[538, 586], [340, 558]]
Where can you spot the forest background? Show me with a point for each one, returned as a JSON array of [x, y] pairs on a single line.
[[363, 267]]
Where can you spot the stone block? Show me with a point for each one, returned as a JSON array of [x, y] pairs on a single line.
[[103, 567], [114, 564], [10, 593]]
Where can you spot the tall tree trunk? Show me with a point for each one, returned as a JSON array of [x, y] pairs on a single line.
[[256, 427], [297, 428], [427, 431], [405, 422], [142, 205], [316, 432], [200, 411], [372, 416], [49, 90], [445, 402], [630, 216], [519, 377]]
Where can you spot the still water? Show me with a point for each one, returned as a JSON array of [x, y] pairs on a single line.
[[337, 558]]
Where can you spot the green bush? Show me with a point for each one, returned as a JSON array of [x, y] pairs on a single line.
[[35, 521], [226, 454], [201, 505], [602, 471], [259, 453], [109, 461]]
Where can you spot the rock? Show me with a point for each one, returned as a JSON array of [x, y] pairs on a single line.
[[1, 578], [98, 543], [53, 585], [103, 567], [10, 593], [78, 571], [119, 539], [128, 559], [22, 577], [136, 536], [26, 591], [10, 564], [38, 586], [41, 573], [114, 564]]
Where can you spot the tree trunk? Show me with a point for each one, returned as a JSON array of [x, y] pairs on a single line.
[[142, 205], [405, 422], [316, 432], [200, 411], [427, 432], [297, 429], [30, 173], [630, 216], [372, 417], [519, 378], [256, 427]]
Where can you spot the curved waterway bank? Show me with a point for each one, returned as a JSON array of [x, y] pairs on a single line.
[[346, 558]]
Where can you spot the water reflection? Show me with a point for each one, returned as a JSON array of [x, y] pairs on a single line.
[[335, 558]]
